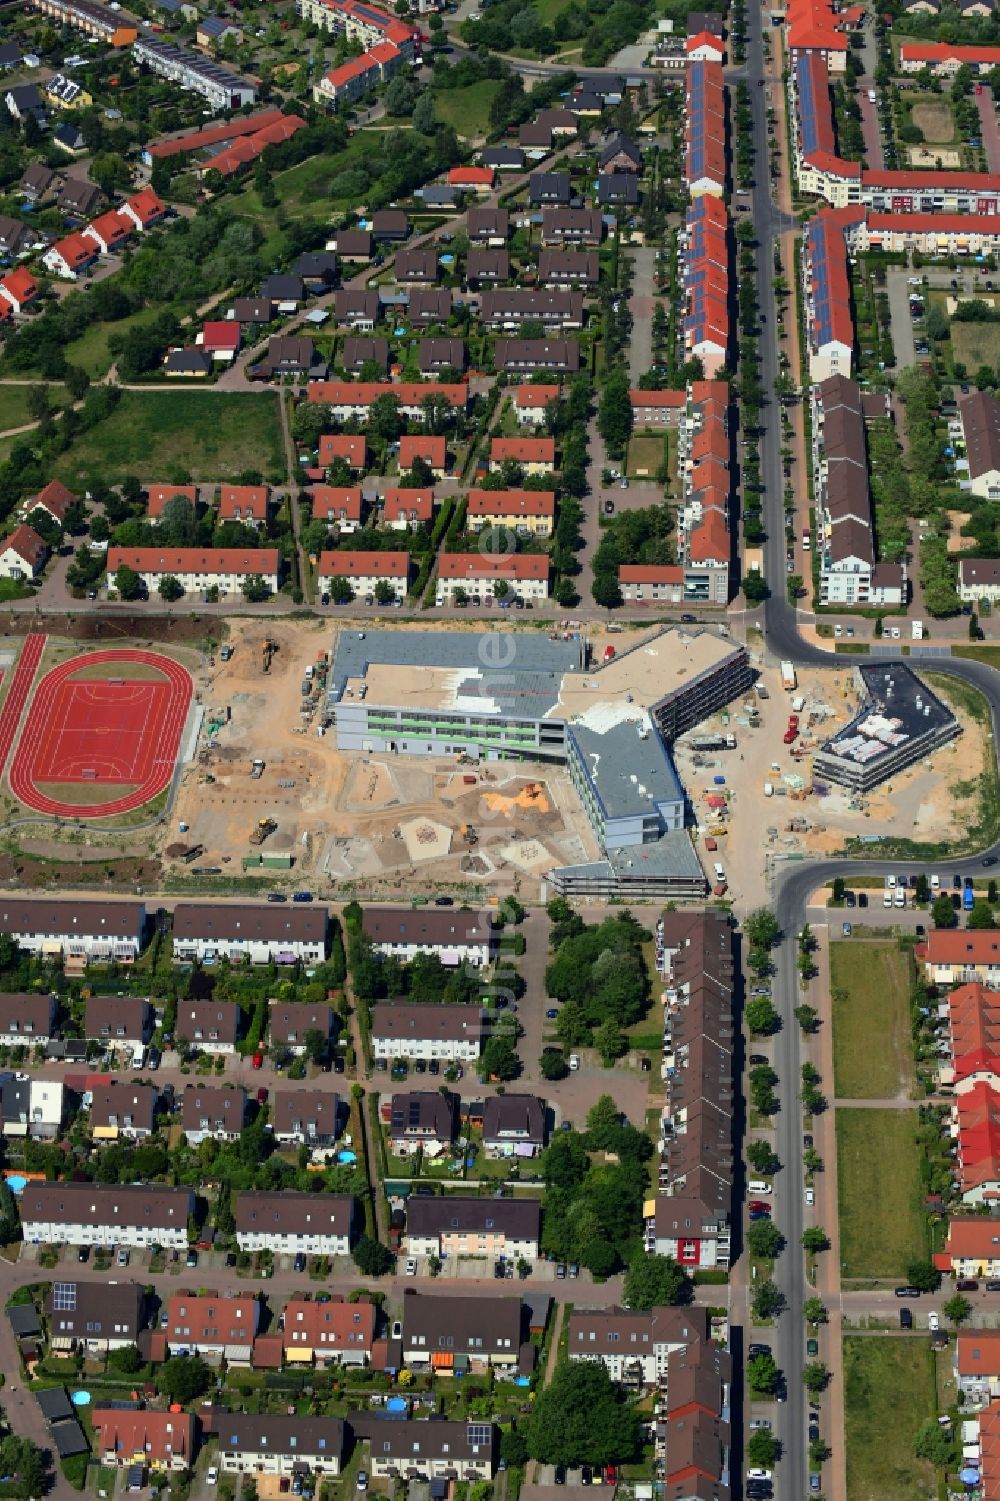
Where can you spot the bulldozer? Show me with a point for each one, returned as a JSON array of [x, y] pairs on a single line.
[[265, 828]]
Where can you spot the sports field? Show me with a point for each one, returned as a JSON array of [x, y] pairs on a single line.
[[102, 734]]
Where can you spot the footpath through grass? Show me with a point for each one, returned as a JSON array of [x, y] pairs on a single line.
[[872, 1049], [14, 402], [178, 436], [879, 1191], [889, 1392]]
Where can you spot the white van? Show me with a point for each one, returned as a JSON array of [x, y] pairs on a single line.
[[900, 897], [758, 1186], [720, 871], [887, 898], [935, 883]]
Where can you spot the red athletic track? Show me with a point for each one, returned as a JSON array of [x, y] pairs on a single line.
[[24, 676], [42, 728]]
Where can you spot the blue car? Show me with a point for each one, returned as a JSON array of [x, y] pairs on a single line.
[[551, 1015]]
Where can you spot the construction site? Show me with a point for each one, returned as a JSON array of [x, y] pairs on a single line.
[[269, 793]]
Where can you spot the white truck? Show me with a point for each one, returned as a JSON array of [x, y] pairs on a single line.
[[788, 677], [918, 630]]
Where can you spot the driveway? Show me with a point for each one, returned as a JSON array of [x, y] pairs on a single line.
[[991, 127], [640, 354], [897, 279]]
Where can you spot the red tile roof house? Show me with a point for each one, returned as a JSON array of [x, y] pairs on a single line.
[[534, 455], [23, 554], [474, 179], [221, 339], [977, 1365], [109, 231], [161, 1440], [213, 1327], [433, 450], [353, 447], [365, 570], [160, 496], [144, 209], [341, 505], [976, 1125], [530, 403], [54, 499], [246, 503], [526, 576], [402, 509], [70, 255], [323, 1333], [19, 289], [950, 957], [972, 1248], [657, 408], [650, 583], [974, 1022]]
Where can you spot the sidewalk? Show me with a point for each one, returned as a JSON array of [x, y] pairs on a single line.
[[832, 1408]]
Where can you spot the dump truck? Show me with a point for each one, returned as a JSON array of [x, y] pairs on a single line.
[[265, 827], [788, 677], [257, 769]]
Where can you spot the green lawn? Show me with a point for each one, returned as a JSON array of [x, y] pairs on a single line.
[[872, 1049], [889, 1391], [645, 454], [173, 436], [879, 1190], [90, 350], [988, 654], [468, 109], [975, 344], [14, 403], [305, 190]]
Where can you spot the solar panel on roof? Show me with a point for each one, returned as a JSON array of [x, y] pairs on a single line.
[[478, 1433], [64, 1297]]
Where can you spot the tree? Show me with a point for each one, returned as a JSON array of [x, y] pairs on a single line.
[[934, 1443], [384, 592], [815, 1377], [924, 1276], [315, 1043], [614, 417], [170, 588], [807, 1017], [762, 1156], [610, 1041], [424, 114], [943, 913], [762, 1374], [762, 1017], [371, 1257], [564, 1161], [340, 590], [762, 1449], [814, 1311], [582, 1417], [603, 1123], [839, 887], [514, 1448], [498, 1060], [764, 1239], [957, 1309], [384, 420], [256, 590], [981, 915], [652, 1281], [128, 583], [182, 1378], [815, 1239], [400, 97], [761, 928], [755, 589], [127, 1360], [768, 1300], [819, 1453], [553, 1064], [21, 1458]]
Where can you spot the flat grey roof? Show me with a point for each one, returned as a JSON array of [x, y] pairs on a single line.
[[897, 709], [628, 765], [672, 856]]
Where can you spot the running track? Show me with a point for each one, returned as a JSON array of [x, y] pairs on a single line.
[[17, 697], [39, 723]]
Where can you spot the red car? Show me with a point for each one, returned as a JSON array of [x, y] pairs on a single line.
[[258, 1060], [760, 1206], [262, 1097]]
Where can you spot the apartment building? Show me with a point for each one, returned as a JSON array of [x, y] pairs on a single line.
[[263, 934], [97, 21], [447, 1335], [160, 1440], [531, 356], [515, 576], [529, 513], [332, 1333], [455, 937], [972, 1248], [365, 571], [347, 399], [634, 1344], [450, 1033], [705, 129], [76, 931], [531, 455], [341, 505], [531, 403], [417, 1449], [980, 418], [287, 1223], [216, 1328], [651, 583], [92, 1214], [457, 1227], [197, 569], [827, 304], [506, 309], [219, 86]]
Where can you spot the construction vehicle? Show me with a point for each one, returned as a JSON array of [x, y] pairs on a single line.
[[267, 650], [257, 769], [225, 653], [265, 828], [192, 853]]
